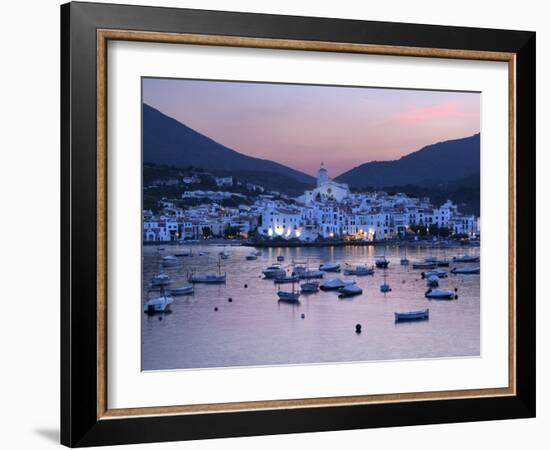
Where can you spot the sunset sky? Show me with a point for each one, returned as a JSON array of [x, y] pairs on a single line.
[[302, 125]]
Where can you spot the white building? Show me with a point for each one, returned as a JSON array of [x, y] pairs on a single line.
[[326, 189]]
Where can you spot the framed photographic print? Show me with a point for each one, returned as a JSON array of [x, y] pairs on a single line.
[[277, 224]]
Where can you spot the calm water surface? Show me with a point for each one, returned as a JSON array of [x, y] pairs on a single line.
[[255, 329]]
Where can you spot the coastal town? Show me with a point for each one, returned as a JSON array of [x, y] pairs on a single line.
[[330, 212]]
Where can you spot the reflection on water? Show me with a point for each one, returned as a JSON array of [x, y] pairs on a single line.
[[255, 329]]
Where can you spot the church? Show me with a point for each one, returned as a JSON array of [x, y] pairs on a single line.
[[326, 189]]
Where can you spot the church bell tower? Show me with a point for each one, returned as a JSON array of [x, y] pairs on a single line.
[[322, 178]]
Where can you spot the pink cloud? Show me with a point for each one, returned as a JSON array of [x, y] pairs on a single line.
[[417, 115]]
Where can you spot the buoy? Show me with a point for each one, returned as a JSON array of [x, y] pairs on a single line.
[[246, 285], [456, 297], [160, 317], [358, 328], [216, 308], [229, 299], [456, 289], [303, 316]]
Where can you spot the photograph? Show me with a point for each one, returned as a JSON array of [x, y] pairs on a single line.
[[301, 224]]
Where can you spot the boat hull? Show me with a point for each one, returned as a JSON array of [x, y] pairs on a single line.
[[412, 315]]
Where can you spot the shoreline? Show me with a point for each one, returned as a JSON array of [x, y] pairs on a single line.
[[282, 244]]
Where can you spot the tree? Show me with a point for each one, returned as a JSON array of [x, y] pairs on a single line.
[[232, 232], [206, 232], [434, 229]]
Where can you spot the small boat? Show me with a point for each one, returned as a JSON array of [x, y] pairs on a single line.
[[466, 258], [404, 261], [157, 304], [251, 256], [209, 278], [160, 280], [381, 262], [385, 287], [433, 281], [290, 297], [465, 270], [182, 290], [311, 274], [437, 262], [274, 271], [309, 287], [301, 270], [422, 314], [330, 267], [286, 279], [280, 258], [350, 291], [335, 284], [440, 273], [424, 265], [360, 271], [440, 294], [169, 261]]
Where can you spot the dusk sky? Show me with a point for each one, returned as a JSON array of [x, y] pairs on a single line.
[[301, 125]]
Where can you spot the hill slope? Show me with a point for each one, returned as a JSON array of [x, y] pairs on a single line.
[[442, 162], [167, 141]]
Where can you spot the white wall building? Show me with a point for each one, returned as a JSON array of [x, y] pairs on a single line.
[[326, 189]]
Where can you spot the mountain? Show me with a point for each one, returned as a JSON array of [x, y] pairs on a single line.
[[167, 141], [434, 164]]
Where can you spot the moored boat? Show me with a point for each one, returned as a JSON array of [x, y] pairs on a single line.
[[309, 287], [280, 258], [465, 270], [209, 278], [381, 262], [274, 271], [161, 279], [440, 294], [334, 284], [286, 279], [157, 304], [181, 290], [330, 267], [424, 265], [350, 291], [466, 258], [169, 261], [304, 274], [433, 281], [291, 297], [422, 314], [251, 256], [404, 262], [359, 271], [440, 273]]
